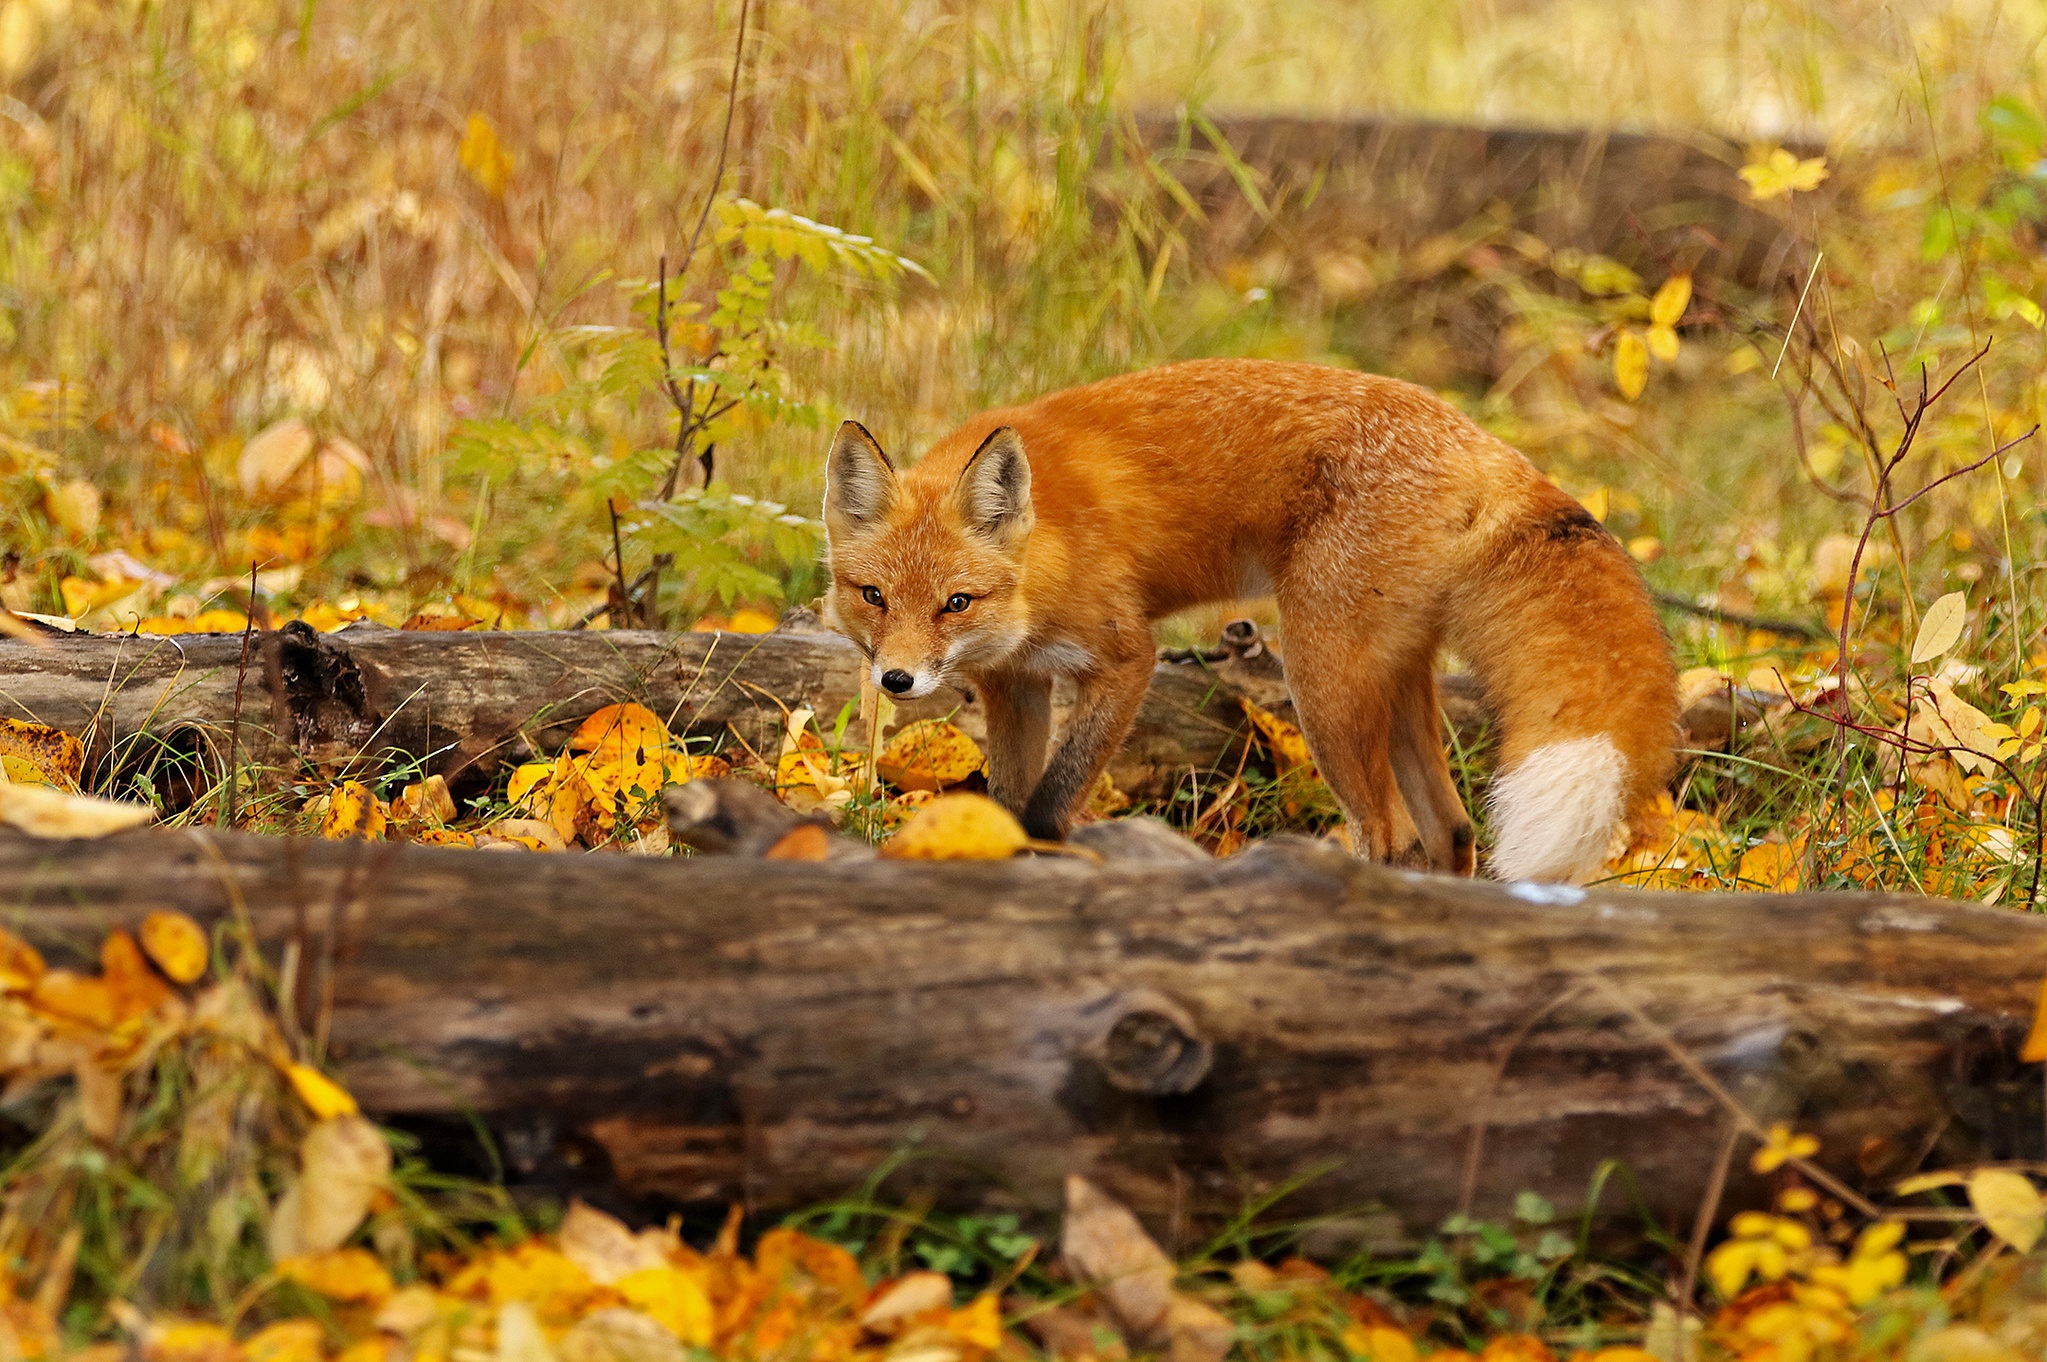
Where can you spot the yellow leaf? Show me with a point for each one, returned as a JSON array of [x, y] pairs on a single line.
[[272, 455], [177, 944], [1946, 720], [1377, 1343], [627, 727], [287, 1340], [325, 1098], [1778, 173], [1941, 627], [2010, 1206], [484, 157], [42, 811], [1289, 749], [929, 755], [185, 1340], [21, 771], [343, 1165], [346, 1274], [1630, 364], [426, 801], [570, 802], [1668, 306], [1783, 1146], [1662, 342], [352, 811], [675, 1298], [525, 779], [1771, 866], [75, 506], [1963, 1343], [603, 1247], [56, 754], [979, 1324], [747, 621], [954, 827]]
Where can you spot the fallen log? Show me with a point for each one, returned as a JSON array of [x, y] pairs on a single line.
[[1649, 200], [466, 703], [1189, 1035]]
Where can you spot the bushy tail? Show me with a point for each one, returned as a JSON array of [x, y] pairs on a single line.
[[1553, 814], [1557, 624]]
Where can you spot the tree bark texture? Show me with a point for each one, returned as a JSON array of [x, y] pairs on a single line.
[[1190, 1036]]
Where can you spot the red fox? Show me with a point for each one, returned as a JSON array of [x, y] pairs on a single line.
[[1044, 540]]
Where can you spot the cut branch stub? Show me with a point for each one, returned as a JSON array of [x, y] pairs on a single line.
[[1150, 1045]]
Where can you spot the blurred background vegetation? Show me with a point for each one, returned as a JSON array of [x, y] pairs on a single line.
[[414, 246]]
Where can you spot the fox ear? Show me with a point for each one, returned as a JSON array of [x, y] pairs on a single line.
[[859, 481], [994, 489]]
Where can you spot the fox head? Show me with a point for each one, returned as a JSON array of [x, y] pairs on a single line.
[[927, 570]]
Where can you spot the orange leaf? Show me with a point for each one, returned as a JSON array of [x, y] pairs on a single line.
[[627, 727], [137, 989], [20, 963], [804, 842], [80, 999], [2035, 1048]]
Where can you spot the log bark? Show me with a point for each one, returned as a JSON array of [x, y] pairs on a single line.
[[1188, 1035], [466, 703]]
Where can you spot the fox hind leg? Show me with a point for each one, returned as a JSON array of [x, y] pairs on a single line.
[[1346, 693], [1423, 773]]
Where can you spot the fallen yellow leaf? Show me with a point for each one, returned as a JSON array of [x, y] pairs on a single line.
[[966, 827], [59, 757], [43, 811], [325, 1098], [353, 811], [929, 755], [177, 944], [344, 1274], [626, 726]]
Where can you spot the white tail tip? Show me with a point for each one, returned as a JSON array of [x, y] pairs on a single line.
[[1554, 814]]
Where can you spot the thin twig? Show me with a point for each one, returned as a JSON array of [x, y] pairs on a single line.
[[1796, 310], [1709, 1209], [1766, 623], [234, 727]]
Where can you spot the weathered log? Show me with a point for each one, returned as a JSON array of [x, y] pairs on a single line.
[[1397, 183], [464, 703], [1188, 1035]]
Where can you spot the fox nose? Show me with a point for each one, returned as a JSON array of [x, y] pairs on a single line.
[[897, 682]]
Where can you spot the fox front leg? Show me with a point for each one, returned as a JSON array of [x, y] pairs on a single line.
[[1019, 710], [1104, 709]]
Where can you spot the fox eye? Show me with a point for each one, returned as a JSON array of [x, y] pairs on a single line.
[[958, 601], [872, 595]]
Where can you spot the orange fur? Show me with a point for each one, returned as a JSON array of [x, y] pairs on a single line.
[[1386, 523]]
